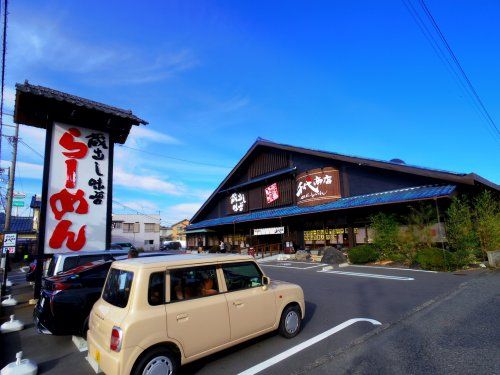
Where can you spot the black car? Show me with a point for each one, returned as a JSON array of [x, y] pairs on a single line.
[[66, 299]]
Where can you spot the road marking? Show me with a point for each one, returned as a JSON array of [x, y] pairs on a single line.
[[294, 350], [297, 268], [387, 277], [392, 268]]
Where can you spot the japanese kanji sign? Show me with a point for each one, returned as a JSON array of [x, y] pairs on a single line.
[[318, 186], [238, 202], [272, 193], [77, 190]]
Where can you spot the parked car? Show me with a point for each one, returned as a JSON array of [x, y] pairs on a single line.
[[67, 298], [157, 314], [171, 245], [124, 245]]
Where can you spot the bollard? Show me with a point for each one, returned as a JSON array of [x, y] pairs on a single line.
[[12, 325], [20, 367], [9, 301]]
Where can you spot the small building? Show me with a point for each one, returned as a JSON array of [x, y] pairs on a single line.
[[26, 233], [280, 196], [142, 231], [179, 230], [165, 234]]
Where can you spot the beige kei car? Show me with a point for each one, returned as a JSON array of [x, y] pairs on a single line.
[[156, 314]]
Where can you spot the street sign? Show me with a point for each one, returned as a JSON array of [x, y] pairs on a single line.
[[19, 195], [9, 239], [9, 249], [18, 203]]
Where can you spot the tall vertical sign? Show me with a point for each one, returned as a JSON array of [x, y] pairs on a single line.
[[78, 190]]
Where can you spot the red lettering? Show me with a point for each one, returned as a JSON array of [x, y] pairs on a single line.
[[62, 233], [78, 149], [71, 173], [67, 202]]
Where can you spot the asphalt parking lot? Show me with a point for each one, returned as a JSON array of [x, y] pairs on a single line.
[[333, 297]]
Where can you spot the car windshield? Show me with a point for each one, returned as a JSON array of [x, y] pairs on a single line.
[[117, 288]]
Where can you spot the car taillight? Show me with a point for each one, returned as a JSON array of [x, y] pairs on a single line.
[[116, 339], [60, 286]]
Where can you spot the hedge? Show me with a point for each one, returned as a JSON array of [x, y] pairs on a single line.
[[363, 254]]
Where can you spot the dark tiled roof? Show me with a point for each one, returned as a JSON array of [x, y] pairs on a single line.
[[261, 178], [18, 224], [386, 197], [78, 101]]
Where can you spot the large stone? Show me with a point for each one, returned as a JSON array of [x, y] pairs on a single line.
[[301, 255], [332, 256]]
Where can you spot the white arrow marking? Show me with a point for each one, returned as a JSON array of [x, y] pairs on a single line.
[[294, 350]]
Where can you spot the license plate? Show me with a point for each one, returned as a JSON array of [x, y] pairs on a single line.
[[97, 356]]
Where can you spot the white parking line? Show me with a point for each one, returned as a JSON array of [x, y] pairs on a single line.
[[391, 268], [294, 350], [297, 268], [387, 277]]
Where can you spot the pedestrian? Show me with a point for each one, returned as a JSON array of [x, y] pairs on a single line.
[[200, 245], [222, 247], [132, 253]]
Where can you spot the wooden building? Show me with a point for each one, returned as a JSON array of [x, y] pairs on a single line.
[[280, 196]]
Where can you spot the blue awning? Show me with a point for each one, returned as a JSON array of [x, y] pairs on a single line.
[[385, 197]]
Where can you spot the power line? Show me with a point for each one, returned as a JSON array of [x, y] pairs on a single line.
[[490, 120], [134, 210], [31, 148], [175, 158]]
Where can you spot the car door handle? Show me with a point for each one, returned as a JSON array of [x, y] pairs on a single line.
[[182, 317], [237, 303]]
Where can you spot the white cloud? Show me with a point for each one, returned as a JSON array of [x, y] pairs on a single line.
[[9, 98], [140, 205], [180, 211], [142, 182], [26, 170], [143, 133], [47, 44]]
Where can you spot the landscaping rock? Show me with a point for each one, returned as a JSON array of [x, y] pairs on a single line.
[[333, 256], [302, 255]]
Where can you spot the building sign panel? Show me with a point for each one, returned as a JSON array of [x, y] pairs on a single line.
[[267, 231], [77, 190], [318, 186], [238, 203], [272, 193]]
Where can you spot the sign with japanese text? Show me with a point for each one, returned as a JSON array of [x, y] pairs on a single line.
[[268, 231], [318, 186], [272, 193], [238, 203], [9, 239], [77, 190]]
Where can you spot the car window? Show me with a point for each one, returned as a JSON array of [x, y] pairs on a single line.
[[70, 263], [50, 266], [193, 282], [156, 290], [117, 288], [90, 258], [242, 276]]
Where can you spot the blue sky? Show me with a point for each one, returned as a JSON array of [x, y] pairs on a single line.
[[211, 76]]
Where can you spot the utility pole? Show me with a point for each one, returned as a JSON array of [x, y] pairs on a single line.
[[10, 193]]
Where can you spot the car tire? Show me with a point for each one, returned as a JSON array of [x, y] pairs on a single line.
[[291, 322], [85, 327], [157, 360]]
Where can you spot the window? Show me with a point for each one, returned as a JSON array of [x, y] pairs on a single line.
[[156, 291], [149, 242], [189, 283], [116, 225], [149, 227], [242, 276], [117, 288], [128, 227]]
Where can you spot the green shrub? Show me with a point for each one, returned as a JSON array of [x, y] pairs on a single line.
[[386, 232], [363, 254], [433, 258]]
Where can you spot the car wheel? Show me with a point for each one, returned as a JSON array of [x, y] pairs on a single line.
[[85, 327], [158, 361], [291, 322]]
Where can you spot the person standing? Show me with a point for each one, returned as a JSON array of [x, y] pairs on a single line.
[[222, 247]]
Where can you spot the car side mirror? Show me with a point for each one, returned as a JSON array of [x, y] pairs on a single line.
[[266, 281]]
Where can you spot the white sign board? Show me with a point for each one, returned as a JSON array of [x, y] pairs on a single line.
[[267, 231], [9, 239], [78, 190]]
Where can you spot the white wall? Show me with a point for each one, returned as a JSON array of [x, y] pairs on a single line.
[[139, 237]]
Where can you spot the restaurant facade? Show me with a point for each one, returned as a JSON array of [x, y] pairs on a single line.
[[283, 198]]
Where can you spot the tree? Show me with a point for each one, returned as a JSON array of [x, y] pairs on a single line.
[[487, 221], [460, 231], [386, 230]]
